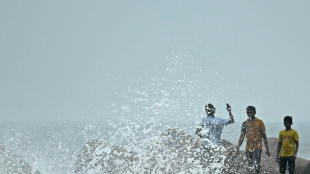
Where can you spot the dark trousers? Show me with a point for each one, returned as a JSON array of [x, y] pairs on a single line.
[[254, 158], [291, 164]]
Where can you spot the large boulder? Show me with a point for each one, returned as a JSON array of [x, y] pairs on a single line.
[[175, 151], [182, 153], [269, 164], [13, 164], [100, 157]]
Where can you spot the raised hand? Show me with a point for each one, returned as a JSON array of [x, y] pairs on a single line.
[[228, 107]]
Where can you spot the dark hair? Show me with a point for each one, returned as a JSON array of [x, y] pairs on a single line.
[[288, 119], [251, 108], [209, 105]]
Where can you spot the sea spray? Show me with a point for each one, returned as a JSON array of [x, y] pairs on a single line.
[[174, 151]]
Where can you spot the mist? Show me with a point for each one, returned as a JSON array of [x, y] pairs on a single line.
[[78, 60]]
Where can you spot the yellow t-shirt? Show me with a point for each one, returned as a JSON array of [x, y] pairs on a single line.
[[288, 139]]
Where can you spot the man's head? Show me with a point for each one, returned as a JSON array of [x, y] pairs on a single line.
[[251, 111], [288, 121], [210, 109]]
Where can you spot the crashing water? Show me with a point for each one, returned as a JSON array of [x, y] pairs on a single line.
[[57, 146], [174, 151], [141, 113], [140, 117]]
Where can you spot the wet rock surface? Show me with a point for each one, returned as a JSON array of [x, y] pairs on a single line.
[[175, 151]]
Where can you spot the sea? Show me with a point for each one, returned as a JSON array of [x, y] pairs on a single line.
[[52, 147]]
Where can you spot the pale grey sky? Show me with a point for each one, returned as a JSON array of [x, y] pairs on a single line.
[[79, 59]]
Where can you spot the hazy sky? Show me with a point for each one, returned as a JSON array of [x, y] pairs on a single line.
[[79, 59]]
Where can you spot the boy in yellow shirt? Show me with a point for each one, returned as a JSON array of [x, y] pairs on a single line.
[[287, 147]]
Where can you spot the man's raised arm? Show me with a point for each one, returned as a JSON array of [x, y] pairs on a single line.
[[230, 114]]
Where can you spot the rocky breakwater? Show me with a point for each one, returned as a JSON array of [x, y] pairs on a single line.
[[174, 151]]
